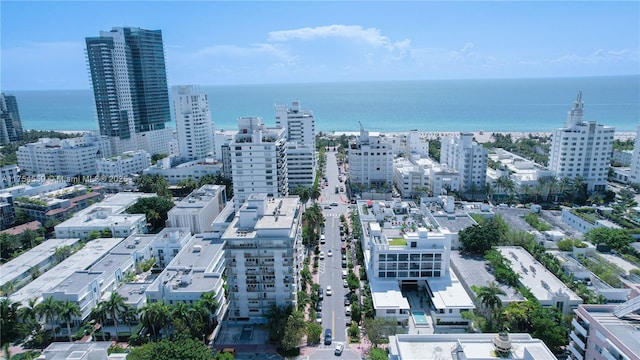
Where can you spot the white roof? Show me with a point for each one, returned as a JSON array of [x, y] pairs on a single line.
[[448, 293]]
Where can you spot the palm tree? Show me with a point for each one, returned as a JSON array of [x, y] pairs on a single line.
[[129, 315], [208, 300], [115, 306], [315, 193], [28, 314], [49, 308], [488, 296], [68, 310], [181, 311], [303, 192], [98, 314], [155, 316]]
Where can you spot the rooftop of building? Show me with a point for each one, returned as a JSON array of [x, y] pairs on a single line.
[[448, 293], [198, 198], [133, 243], [465, 346], [77, 351], [133, 292], [117, 203], [107, 221], [473, 270], [542, 283], [386, 294], [17, 230], [625, 329], [92, 251], [278, 214], [33, 257]]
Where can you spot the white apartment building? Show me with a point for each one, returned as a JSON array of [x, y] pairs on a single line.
[[299, 124], [68, 157], [610, 331], [258, 160], [264, 255], [403, 251], [370, 160], [193, 122], [198, 210], [195, 270], [467, 157], [118, 167], [9, 176], [222, 139], [582, 149], [409, 178], [301, 165], [417, 143], [635, 160], [196, 170]]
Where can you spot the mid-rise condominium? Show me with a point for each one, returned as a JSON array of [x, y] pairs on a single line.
[[468, 158], [582, 149], [264, 255], [193, 122], [370, 160], [635, 160], [300, 132], [258, 160], [128, 75]]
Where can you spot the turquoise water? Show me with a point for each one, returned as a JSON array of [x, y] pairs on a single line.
[[442, 105], [419, 317]]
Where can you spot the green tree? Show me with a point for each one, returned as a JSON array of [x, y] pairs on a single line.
[[155, 209], [97, 314], [314, 332], [155, 316], [182, 348], [378, 354], [277, 322], [489, 296], [618, 239], [294, 331], [379, 328], [115, 307], [481, 238], [69, 310], [49, 309], [8, 320]]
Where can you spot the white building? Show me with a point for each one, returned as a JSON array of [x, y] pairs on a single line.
[[299, 124], [370, 160], [468, 346], [118, 167], [404, 252], [222, 139], [258, 160], [196, 170], [546, 287], [68, 157], [193, 122], [467, 157], [582, 149], [417, 144], [9, 176], [635, 160], [301, 165], [198, 210], [264, 255], [410, 179], [195, 270]]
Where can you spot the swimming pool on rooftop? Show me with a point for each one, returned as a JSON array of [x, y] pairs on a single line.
[[419, 317]]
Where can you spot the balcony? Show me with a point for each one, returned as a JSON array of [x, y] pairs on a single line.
[[579, 328], [578, 341], [575, 352]]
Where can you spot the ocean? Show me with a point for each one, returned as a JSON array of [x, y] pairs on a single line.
[[518, 105]]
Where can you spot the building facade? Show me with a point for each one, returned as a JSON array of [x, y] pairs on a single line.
[[582, 149], [116, 168], [258, 160], [128, 76], [10, 123], [468, 158], [634, 177], [370, 161], [193, 122], [198, 210], [264, 255]]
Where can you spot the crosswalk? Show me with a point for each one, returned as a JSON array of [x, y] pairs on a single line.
[[332, 215]]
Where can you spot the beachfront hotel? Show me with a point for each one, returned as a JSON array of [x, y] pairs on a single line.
[[582, 149], [129, 81], [370, 160], [193, 122]]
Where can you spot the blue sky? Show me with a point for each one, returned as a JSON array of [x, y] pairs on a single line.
[[240, 42]]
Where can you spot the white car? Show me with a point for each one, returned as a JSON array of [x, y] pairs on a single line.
[[328, 290], [321, 256], [329, 252], [345, 283], [339, 349]]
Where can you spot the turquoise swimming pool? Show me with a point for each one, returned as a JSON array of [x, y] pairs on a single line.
[[419, 317]]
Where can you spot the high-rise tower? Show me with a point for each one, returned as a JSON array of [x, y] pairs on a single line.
[[582, 149], [10, 124], [193, 122], [129, 79]]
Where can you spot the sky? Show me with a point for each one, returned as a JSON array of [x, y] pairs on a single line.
[[268, 42]]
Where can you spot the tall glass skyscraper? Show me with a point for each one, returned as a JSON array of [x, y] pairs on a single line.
[[129, 77]]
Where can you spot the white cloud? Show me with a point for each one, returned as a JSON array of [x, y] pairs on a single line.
[[599, 56], [240, 51], [370, 36]]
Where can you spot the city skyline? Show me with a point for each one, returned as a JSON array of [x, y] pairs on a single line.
[[228, 43]]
